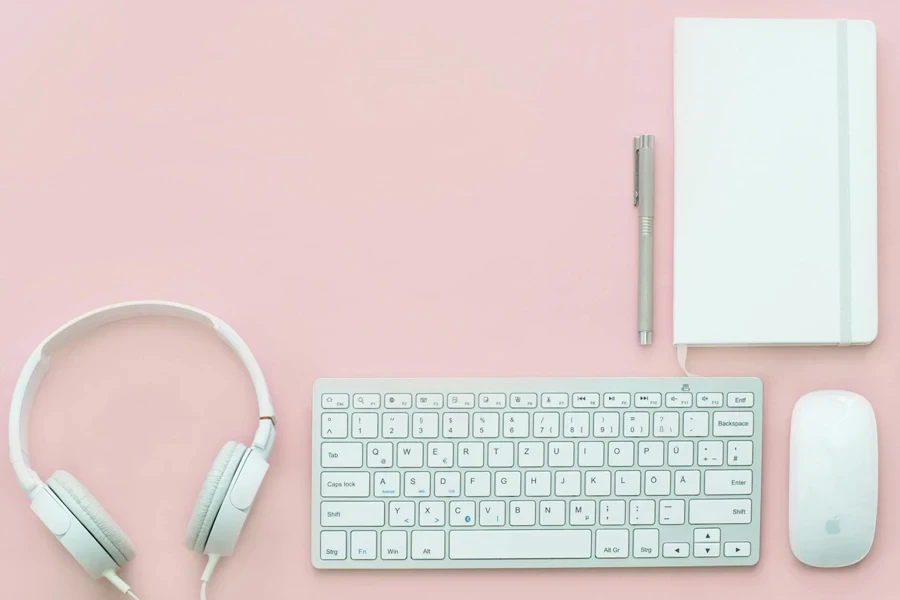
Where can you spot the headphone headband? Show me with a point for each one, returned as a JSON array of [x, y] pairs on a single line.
[[39, 361]]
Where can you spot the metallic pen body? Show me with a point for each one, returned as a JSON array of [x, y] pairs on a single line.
[[643, 199]]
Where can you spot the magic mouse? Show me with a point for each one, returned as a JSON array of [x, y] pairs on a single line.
[[833, 478]]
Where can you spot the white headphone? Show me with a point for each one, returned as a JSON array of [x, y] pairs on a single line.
[[78, 520]]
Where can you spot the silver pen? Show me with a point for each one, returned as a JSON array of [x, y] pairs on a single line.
[[643, 199]]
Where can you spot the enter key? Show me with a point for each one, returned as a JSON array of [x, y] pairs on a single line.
[[728, 483]]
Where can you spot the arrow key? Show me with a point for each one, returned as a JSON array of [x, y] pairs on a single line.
[[676, 550], [707, 536], [706, 550]]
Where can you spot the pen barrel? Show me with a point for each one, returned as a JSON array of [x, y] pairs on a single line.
[[645, 276], [646, 184]]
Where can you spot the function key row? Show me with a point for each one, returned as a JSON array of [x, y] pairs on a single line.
[[547, 400]]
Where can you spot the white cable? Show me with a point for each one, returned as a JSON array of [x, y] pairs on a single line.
[[203, 591], [120, 585], [207, 574], [130, 593]]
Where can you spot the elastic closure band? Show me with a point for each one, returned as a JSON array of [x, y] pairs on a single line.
[[843, 125]]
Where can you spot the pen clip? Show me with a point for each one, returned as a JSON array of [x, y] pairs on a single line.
[[640, 141]]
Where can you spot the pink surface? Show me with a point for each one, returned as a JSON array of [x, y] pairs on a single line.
[[361, 189]]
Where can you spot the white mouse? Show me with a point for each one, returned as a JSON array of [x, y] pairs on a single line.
[[834, 478]]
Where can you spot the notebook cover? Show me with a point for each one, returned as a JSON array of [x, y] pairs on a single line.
[[775, 182]]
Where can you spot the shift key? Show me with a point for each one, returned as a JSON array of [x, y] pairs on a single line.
[[352, 514], [714, 512]]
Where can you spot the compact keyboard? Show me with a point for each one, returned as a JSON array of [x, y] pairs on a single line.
[[536, 473]]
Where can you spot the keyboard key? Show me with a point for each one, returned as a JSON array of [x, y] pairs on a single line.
[[379, 455], [687, 483], [333, 545], [616, 400], [724, 511], [523, 401], [637, 424], [366, 401], [676, 550], [709, 454], [710, 400], [425, 425], [500, 454], [696, 424], [706, 550], [507, 484], [740, 453], [681, 454], [531, 454], [612, 512], [546, 425], [588, 400], [440, 455], [568, 483], [590, 454], [561, 454], [621, 454], [362, 545], [427, 545], [597, 483], [641, 512], [651, 454], [606, 424], [552, 513], [478, 484], [393, 545], [492, 513], [352, 514], [657, 483], [365, 425], [740, 400], [345, 485], [554, 400], [403, 514], [431, 514], [461, 401], [334, 425], [342, 454], [470, 454], [679, 400], [486, 425], [417, 484], [612, 543], [519, 544], [462, 514], [411, 455], [582, 513], [646, 543], [665, 424], [448, 484], [395, 426], [428, 401], [397, 401], [387, 485], [671, 512], [653, 400], [628, 483], [522, 513], [492, 401], [733, 424], [537, 483], [576, 425], [456, 425], [707, 535], [335, 401], [515, 425], [737, 548], [728, 483]]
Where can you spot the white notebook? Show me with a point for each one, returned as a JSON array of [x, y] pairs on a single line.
[[775, 183]]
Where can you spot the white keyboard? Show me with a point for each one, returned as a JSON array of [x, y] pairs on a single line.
[[536, 473]]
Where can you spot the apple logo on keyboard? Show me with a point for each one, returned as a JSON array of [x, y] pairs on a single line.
[[833, 526]]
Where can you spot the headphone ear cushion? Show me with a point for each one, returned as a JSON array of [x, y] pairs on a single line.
[[212, 495], [93, 516]]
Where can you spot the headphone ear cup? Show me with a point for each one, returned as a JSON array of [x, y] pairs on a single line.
[[93, 516], [212, 494]]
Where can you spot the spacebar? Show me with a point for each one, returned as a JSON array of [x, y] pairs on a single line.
[[508, 545]]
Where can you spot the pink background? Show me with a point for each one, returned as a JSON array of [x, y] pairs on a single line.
[[361, 189]]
